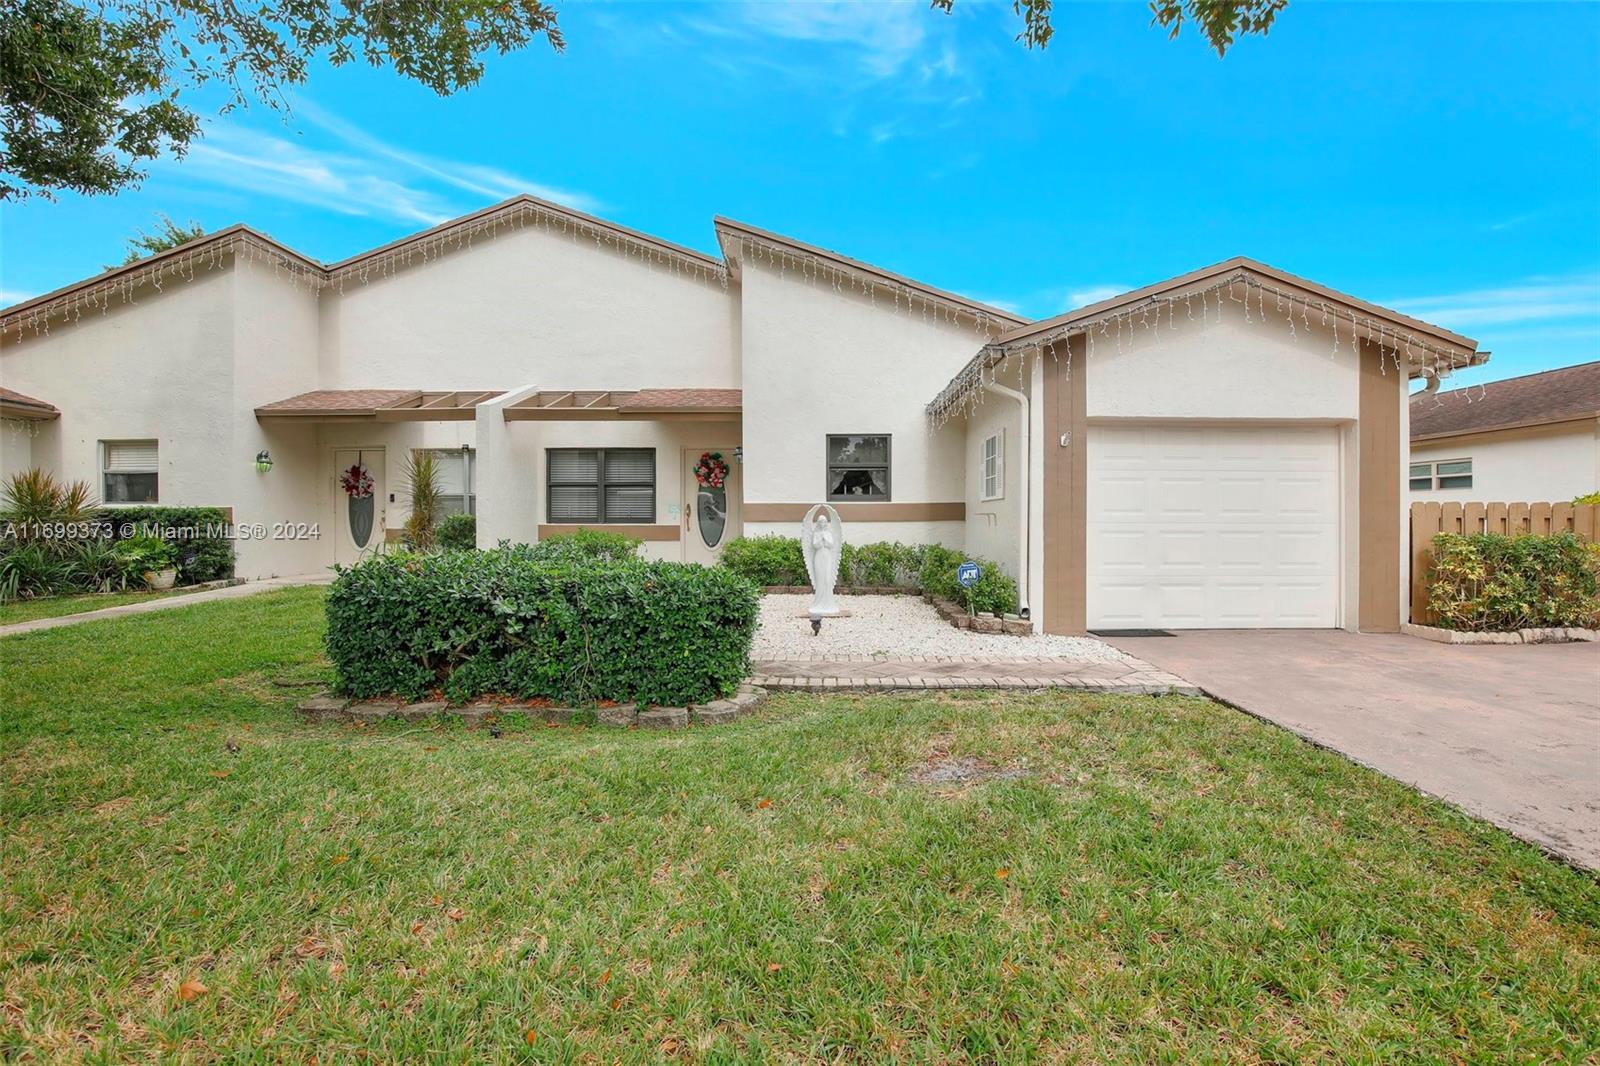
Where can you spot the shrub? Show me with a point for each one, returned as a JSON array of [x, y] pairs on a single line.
[[31, 570], [767, 560], [504, 621], [581, 546], [143, 553], [994, 592], [1593, 497], [458, 532], [200, 535], [1491, 582]]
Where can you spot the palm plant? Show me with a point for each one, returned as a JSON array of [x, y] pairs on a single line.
[[422, 482], [34, 501]]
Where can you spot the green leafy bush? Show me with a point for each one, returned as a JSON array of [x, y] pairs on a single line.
[[510, 622], [1593, 497], [767, 560], [31, 570], [1488, 582], [995, 592], [581, 546], [457, 532], [777, 560], [199, 534], [143, 553]]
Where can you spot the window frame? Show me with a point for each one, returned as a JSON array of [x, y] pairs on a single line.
[[1435, 479], [601, 483], [998, 437], [106, 471], [829, 466], [467, 456]]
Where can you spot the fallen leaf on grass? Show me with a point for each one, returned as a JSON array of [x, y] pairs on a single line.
[[219, 774], [763, 804], [311, 948], [191, 990], [455, 914], [340, 860], [1003, 873], [530, 1036], [605, 976], [774, 967]]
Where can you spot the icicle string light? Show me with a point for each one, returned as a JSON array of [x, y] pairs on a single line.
[[1154, 314], [902, 297], [184, 264]]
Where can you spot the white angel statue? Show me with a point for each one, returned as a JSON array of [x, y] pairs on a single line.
[[821, 541]]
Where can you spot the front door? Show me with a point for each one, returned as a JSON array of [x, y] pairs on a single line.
[[711, 514], [359, 503]]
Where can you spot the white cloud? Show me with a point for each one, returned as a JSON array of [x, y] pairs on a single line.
[[1532, 300], [358, 175], [884, 37], [1093, 294], [15, 296]]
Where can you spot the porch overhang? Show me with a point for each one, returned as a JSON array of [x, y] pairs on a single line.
[[656, 405], [381, 405], [14, 404]]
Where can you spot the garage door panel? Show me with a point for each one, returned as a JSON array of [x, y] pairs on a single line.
[[1213, 527]]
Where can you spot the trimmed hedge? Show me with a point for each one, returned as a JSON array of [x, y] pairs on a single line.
[[995, 591], [199, 534], [777, 560], [1489, 582], [512, 622]]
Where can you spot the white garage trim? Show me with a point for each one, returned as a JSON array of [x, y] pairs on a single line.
[[1206, 525]]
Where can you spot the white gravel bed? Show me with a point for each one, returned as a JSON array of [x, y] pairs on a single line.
[[897, 626]]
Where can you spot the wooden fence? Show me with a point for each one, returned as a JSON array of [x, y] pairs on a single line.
[[1430, 518]]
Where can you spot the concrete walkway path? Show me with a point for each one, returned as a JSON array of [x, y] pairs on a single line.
[[861, 673], [1510, 733], [167, 603]]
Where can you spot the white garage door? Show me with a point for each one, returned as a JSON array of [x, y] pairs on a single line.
[[1213, 527]]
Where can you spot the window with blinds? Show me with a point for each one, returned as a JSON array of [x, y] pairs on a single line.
[[129, 471], [456, 476], [601, 485]]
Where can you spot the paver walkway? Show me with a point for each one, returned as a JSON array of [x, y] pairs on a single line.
[[883, 673], [167, 603], [1509, 732]]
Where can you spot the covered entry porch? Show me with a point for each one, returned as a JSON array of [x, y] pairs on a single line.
[[661, 465]]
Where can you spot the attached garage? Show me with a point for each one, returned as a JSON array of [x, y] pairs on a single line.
[[1206, 527]]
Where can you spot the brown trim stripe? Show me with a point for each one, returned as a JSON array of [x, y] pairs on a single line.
[[641, 532], [860, 512], [1378, 494]]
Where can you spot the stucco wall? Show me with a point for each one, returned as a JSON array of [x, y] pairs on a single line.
[[1230, 368], [861, 367], [160, 368], [530, 307], [1548, 464], [17, 436], [994, 527]]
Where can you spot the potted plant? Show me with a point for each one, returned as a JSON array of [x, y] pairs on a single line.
[[151, 559]]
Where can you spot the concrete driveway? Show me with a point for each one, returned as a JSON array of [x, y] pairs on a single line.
[[1510, 733]]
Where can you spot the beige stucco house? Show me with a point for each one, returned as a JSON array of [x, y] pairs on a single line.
[[1224, 449], [1529, 439]]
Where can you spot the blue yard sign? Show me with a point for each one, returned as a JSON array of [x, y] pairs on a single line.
[[968, 573]]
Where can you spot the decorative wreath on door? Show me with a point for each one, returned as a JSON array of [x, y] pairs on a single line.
[[711, 471], [356, 482]]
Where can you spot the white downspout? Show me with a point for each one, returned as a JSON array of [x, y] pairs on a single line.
[[1024, 578]]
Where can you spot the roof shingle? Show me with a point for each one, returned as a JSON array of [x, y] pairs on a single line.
[[1536, 399]]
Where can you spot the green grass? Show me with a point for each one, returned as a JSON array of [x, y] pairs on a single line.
[[57, 606], [1166, 880]]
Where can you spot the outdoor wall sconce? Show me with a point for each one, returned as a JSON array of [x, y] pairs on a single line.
[[263, 461], [738, 455]]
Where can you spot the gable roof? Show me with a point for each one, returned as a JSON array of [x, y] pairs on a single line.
[[1238, 265], [99, 289], [1563, 395], [732, 236]]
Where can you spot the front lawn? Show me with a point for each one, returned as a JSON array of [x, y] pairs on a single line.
[[188, 871]]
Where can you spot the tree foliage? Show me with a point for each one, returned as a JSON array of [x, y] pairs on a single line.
[[91, 89], [168, 235], [1221, 21]]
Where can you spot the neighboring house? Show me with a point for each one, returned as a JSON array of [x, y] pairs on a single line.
[[1225, 448], [1533, 439]]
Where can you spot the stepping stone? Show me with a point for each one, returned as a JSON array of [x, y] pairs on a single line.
[[372, 710], [622, 714], [716, 713], [322, 708]]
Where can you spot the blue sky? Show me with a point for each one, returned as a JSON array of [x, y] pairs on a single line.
[[1441, 159]]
